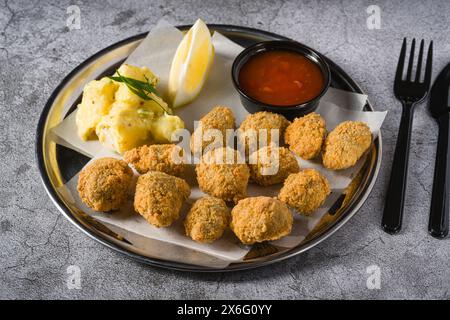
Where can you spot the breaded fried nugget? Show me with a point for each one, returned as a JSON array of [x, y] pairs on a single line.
[[260, 219], [207, 219], [250, 129], [346, 144], [305, 191], [166, 158], [223, 178], [271, 165], [105, 183], [159, 197], [219, 118], [305, 136]]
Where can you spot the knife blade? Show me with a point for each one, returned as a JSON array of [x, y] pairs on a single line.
[[439, 94], [439, 106]]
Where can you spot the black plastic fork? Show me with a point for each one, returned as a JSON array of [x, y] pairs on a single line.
[[410, 92]]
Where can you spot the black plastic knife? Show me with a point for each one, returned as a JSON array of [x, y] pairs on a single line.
[[440, 110]]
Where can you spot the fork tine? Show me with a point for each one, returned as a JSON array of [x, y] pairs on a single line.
[[419, 61], [411, 60], [429, 66], [401, 62]]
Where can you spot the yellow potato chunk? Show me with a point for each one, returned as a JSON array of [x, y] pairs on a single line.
[[164, 126], [138, 73], [98, 96], [124, 128], [124, 94]]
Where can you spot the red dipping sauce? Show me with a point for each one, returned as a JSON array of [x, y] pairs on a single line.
[[281, 78]]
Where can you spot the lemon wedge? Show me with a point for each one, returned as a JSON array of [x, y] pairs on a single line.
[[190, 65]]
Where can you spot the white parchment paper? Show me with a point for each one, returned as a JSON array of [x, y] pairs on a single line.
[[156, 52]]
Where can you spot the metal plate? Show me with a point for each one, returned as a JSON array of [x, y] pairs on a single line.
[[58, 164]]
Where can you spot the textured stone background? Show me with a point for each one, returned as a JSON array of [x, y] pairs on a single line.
[[37, 243]]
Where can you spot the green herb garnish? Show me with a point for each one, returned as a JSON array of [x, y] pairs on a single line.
[[143, 89]]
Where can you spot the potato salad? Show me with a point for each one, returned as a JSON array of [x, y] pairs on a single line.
[[124, 111]]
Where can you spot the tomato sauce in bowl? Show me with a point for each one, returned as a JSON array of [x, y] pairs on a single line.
[[281, 78]]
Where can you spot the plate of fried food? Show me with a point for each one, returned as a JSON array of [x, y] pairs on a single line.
[[209, 147]]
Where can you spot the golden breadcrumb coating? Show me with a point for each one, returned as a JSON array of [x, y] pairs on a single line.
[[305, 191], [305, 135], [273, 165], [166, 158], [159, 197], [222, 178], [346, 144], [105, 183], [220, 118], [264, 120], [260, 219], [207, 219]]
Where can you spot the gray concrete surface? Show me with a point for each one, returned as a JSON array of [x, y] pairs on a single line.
[[37, 244]]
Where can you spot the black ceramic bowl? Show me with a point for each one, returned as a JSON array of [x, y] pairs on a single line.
[[290, 112]]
